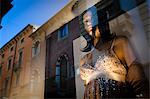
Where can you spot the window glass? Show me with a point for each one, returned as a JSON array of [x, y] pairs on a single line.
[[0, 70], [3, 55], [11, 49], [36, 48], [22, 40], [20, 58], [9, 63], [63, 32]]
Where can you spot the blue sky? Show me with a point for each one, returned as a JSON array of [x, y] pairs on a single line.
[[24, 12]]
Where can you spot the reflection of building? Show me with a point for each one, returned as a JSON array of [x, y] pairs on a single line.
[[5, 6], [15, 60], [60, 73], [38, 64], [50, 55], [60, 77], [133, 24]]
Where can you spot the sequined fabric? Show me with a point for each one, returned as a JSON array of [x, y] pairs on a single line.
[[101, 88], [105, 77]]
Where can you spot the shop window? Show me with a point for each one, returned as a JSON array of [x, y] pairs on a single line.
[[63, 32]]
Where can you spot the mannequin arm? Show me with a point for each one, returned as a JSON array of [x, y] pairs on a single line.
[[135, 74]]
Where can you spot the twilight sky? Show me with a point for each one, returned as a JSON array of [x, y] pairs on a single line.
[[25, 12]]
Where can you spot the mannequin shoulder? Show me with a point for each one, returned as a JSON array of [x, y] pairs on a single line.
[[124, 50], [121, 41], [86, 58]]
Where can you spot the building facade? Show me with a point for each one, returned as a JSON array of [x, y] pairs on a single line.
[[38, 63], [15, 65], [60, 73], [43, 63]]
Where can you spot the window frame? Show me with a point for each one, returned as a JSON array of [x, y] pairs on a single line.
[[20, 51], [3, 56], [12, 48], [22, 40], [38, 48], [1, 70], [9, 63], [65, 33]]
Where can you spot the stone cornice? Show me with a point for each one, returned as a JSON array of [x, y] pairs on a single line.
[[63, 16], [39, 34], [66, 14], [16, 38]]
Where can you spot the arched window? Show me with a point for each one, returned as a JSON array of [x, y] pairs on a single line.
[[62, 73], [36, 48]]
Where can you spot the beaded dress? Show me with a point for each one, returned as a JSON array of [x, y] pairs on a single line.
[[104, 75]]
